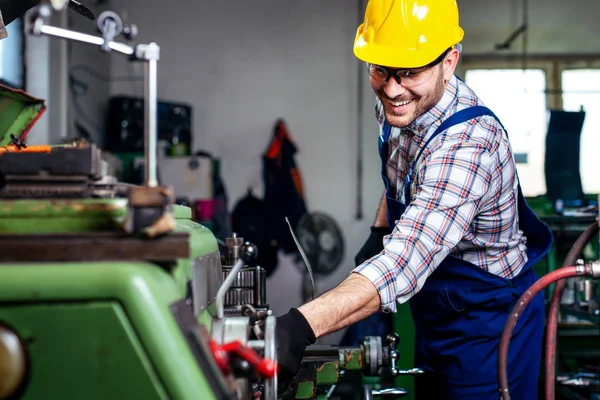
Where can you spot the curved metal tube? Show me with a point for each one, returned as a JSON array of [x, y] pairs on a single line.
[[219, 300]]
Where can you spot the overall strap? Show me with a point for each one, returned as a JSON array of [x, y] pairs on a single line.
[[455, 119], [383, 154], [458, 118], [385, 133]]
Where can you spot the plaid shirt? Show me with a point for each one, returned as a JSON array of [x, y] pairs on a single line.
[[464, 200]]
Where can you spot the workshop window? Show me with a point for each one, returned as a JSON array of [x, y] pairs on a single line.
[[518, 98], [11, 56], [581, 89]]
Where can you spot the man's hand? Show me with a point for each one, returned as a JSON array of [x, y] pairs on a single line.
[[353, 300], [293, 334]]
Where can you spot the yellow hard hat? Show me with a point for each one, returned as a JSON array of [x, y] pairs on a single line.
[[407, 33]]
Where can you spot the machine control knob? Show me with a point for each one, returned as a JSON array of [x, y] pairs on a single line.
[[12, 363], [221, 352], [392, 340], [248, 252]]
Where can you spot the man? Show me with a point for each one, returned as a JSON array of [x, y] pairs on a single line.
[[461, 239]]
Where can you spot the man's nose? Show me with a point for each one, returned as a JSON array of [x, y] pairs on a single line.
[[393, 89]]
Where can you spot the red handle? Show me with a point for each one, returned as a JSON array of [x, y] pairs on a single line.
[[265, 368]]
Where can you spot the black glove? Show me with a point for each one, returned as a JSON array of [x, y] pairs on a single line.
[[373, 245], [293, 334]]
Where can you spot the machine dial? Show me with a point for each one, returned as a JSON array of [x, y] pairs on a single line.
[[12, 363]]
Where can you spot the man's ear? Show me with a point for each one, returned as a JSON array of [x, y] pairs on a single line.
[[449, 63]]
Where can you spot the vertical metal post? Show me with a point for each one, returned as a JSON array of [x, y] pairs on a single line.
[[150, 115], [359, 128]]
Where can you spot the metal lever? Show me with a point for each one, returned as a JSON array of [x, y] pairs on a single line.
[[390, 392], [304, 258], [412, 371], [248, 253], [393, 340], [220, 298], [370, 394]]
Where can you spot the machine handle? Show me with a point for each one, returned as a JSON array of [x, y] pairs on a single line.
[[393, 340], [390, 392], [370, 394], [412, 371], [264, 367]]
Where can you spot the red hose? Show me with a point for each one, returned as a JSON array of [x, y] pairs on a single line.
[[550, 353], [513, 318], [551, 325]]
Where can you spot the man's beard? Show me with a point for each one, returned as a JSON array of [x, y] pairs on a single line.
[[421, 104]]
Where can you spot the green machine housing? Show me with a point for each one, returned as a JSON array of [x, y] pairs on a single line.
[[102, 327], [95, 289]]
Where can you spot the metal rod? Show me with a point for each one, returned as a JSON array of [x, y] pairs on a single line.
[[303, 255], [256, 344], [82, 37], [322, 352], [359, 130], [219, 300], [150, 131]]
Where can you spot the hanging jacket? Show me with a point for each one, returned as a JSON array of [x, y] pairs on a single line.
[[284, 194]]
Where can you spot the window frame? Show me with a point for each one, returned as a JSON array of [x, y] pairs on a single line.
[[552, 65]]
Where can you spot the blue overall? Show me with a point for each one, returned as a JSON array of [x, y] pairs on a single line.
[[460, 312]]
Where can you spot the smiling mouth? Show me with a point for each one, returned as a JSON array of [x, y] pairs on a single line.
[[400, 103]]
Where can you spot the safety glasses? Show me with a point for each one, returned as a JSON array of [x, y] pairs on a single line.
[[407, 77]]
